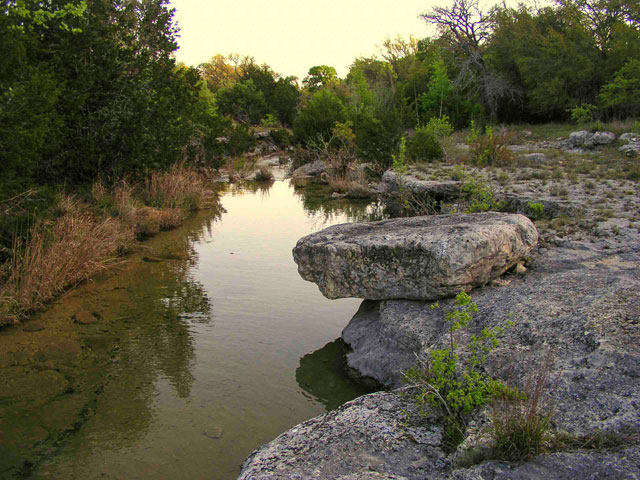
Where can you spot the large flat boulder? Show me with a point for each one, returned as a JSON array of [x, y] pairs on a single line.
[[417, 258]]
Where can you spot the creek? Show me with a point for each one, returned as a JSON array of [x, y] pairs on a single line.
[[206, 345]]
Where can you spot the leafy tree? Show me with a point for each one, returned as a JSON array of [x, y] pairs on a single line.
[[467, 29], [317, 117], [319, 76], [243, 101], [622, 94], [284, 100], [438, 90]]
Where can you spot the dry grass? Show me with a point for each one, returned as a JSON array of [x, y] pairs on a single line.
[[520, 425], [85, 239], [178, 187], [60, 255]]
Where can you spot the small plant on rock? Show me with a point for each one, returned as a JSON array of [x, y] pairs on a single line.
[[455, 387]]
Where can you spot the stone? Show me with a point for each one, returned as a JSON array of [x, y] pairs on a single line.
[[361, 440], [83, 317], [586, 139], [630, 149], [577, 302], [603, 138], [313, 171], [629, 137], [417, 258], [536, 158], [436, 189], [581, 138], [33, 327], [619, 465]]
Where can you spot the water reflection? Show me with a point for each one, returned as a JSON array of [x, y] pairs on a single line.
[[317, 202], [145, 340], [322, 375]]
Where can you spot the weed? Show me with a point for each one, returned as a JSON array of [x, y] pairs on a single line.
[[536, 209], [399, 160], [264, 174], [582, 114], [490, 148], [503, 178], [520, 423], [58, 255], [456, 389], [480, 196]]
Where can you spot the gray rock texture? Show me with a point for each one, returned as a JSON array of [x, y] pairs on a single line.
[[577, 302], [410, 182], [622, 465], [365, 439], [587, 139], [419, 258], [317, 172]]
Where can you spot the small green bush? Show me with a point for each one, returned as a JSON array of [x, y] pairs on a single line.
[[582, 114], [536, 209], [480, 196], [399, 159], [281, 137], [456, 389], [241, 140], [424, 145]]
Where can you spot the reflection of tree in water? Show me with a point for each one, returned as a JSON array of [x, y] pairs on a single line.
[[241, 188], [317, 202], [157, 305], [323, 375]]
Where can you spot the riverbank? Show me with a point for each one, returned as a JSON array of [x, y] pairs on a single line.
[[77, 237], [572, 301]]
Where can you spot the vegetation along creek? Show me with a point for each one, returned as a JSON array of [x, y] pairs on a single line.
[[200, 349]]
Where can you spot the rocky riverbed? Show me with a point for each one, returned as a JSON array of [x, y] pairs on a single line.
[[573, 299]]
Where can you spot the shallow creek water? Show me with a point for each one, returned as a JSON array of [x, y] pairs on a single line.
[[205, 346]]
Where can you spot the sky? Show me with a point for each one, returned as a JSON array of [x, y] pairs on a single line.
[[294, 35]]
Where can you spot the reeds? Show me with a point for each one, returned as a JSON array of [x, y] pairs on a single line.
[[86, 238], [58, 255]]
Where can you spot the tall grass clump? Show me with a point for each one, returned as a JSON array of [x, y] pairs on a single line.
[[490, 148], [178, 187], [520, 424], [58, 255]]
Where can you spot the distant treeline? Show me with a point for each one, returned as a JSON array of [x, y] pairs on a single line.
[[92, 89]]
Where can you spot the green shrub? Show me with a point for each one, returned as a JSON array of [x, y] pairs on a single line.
[[318, 116], [241, 140], [536, 209], [490, 148], [440, 127], [243, 101], [454, 389], [399, 160], [377, 137], [424, 145], [480, 196], [281, 137], [583, 114]]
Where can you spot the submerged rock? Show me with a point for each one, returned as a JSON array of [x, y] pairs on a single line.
[[418, 258], [363, 439]]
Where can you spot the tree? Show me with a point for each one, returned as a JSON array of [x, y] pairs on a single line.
[[319, 76], [467, 29], [622, 94], [318, 116]]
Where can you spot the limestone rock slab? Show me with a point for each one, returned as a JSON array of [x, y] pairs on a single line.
[[417, 258]]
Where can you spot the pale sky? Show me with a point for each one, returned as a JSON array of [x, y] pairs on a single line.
[[294, 35]]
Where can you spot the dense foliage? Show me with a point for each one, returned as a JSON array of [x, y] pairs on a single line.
[[92, 89]]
